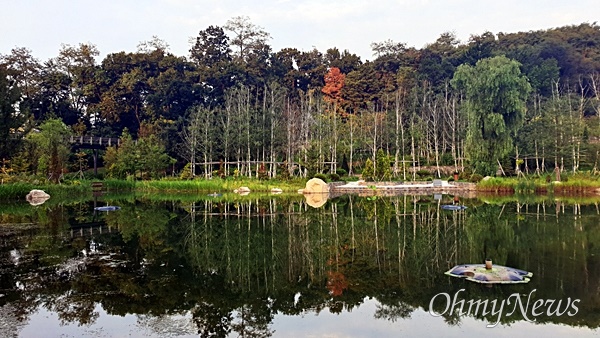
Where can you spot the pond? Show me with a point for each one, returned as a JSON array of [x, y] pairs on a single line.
[[259, 266]]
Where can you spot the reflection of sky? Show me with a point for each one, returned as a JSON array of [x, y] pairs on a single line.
[[358, 323], [361, 323]]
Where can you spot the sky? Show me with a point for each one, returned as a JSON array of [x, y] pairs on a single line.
[[120, 25]]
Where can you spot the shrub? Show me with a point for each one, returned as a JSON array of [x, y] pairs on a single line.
[[475, 178], [321, 176], [368, 172], [334, 177], [262, 172], [283, 172], [186, 172], [423, 173], [341, 172]]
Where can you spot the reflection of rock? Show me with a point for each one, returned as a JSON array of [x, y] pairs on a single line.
[[37, 197], [316, 192], [316, 200], [276, 191]]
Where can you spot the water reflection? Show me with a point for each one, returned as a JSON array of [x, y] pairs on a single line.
[[241, 266]]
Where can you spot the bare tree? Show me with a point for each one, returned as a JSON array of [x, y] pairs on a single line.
[[246, 35], [191, 139]]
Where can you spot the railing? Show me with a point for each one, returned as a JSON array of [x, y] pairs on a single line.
[[95, 141]]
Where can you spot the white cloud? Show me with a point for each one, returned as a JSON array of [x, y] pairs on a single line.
[[115, 25]]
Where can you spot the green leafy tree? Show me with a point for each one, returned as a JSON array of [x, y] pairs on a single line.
[[147, 156], [495, 97], [120, 162], [9, 96], [151, 156], [214, 63], [52, 148]]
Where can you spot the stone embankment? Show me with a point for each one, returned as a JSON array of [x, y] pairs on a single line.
[[402, 188]]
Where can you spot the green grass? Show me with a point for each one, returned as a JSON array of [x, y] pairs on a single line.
[[118, 185], [219, 185], [575, 183], [18, 191]]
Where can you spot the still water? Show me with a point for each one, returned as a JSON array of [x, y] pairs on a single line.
[[185, 266]]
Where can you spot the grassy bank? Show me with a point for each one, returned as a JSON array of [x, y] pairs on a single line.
[[573, 184], [220, 185], [18, 190]]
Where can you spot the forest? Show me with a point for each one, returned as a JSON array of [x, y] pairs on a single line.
[[526, 102]]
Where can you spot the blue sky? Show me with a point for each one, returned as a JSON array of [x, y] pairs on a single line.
[[119, 25]]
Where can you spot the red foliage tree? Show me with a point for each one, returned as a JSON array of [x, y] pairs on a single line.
[[334, 82]]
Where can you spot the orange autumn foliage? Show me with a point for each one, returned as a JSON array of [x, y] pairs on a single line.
[[336, 283], [334, 82]]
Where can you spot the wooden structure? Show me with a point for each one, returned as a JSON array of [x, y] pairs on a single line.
[[95, 143]]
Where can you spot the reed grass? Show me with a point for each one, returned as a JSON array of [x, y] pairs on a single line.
[[18, 191], [531, 185], [219, 185], [119, 185]]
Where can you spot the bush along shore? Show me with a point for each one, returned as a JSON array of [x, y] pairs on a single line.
[[581, 183]]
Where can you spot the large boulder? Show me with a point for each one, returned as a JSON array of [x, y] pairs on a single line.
[[316, 192], [37, 197], [316, 186]]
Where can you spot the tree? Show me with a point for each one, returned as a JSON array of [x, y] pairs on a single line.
[[52, 148], [334, 82], [495, 95], [147, 156], [345, 61], [153, 160], [387, 47], [78, 67], [382, 166], [215, 69], [368, 173], [9, 119], [247, 36]]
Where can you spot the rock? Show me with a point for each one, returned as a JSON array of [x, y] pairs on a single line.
[[486, 178], [316, 186], [37, 197], [242, 190], [276, 191], [316, 192]]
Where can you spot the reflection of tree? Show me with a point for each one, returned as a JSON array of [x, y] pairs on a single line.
[[235, 273], [336, 283], [393, 312], [167, 326], [74, 309], [253, 320], [211, 320]]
